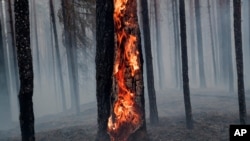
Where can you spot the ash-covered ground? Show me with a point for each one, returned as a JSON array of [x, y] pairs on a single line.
[[213, 112]]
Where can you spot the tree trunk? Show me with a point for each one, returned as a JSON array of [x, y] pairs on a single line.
[[67, 20], [13, 40], [104, 59], [59, 63], [5, 94], [127, 120], [177, 42], [188, 108], [24, 56], [239, 60], [149, 65], [192, 41], [212, 41], [199, 44], [158, 45]]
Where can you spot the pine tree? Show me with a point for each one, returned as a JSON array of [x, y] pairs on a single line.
[[22, 34]]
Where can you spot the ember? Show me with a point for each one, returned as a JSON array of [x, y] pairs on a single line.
[[126, 114]]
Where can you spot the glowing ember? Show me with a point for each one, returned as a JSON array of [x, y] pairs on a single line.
[[126, 115]]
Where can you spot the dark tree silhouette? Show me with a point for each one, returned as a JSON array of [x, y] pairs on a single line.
[[188, 108], [22, 28], [104, 63], [149, 65], [239, 60]]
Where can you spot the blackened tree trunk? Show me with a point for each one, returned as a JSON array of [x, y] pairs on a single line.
[[199, 44], [22, 27], [239, 60], [149, 64], [104, 63], [59, 63], [188, 108]]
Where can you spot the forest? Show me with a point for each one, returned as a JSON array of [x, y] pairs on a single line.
[[123, 70]]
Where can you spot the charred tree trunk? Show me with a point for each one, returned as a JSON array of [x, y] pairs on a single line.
[[149, 65], [59, 63], [199, 44], [22, 27], [188, 108], [104, 64], [239, 60]]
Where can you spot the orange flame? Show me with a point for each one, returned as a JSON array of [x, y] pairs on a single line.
[[126, 116]]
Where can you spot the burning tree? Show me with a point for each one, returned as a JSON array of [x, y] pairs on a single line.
[[125, 101]]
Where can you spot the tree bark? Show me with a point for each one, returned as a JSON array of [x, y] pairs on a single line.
[[104, 64], [239, 60], [188, 108], [25, 69], [149, 65]]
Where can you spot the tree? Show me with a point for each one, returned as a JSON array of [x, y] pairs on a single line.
[[70, 44], [104, 59], [22, 35], [188, 108], [199, 44], [149, 64], [59, 63], [239, 60]]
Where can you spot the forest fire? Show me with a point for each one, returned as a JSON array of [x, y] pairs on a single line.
[[126, 114]]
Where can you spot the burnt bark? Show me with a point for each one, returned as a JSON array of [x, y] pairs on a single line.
[[199, 44], [186, 91], [104, 64], [24, 56], [239, 60], [154, 119]]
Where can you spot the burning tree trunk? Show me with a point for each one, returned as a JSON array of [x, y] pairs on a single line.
[[22, 28], [188, 108], [239, 60], [127, 117]]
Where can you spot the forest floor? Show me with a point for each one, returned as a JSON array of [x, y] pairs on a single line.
[[213, 112]]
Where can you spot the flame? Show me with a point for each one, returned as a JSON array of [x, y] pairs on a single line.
[[126, 115]]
